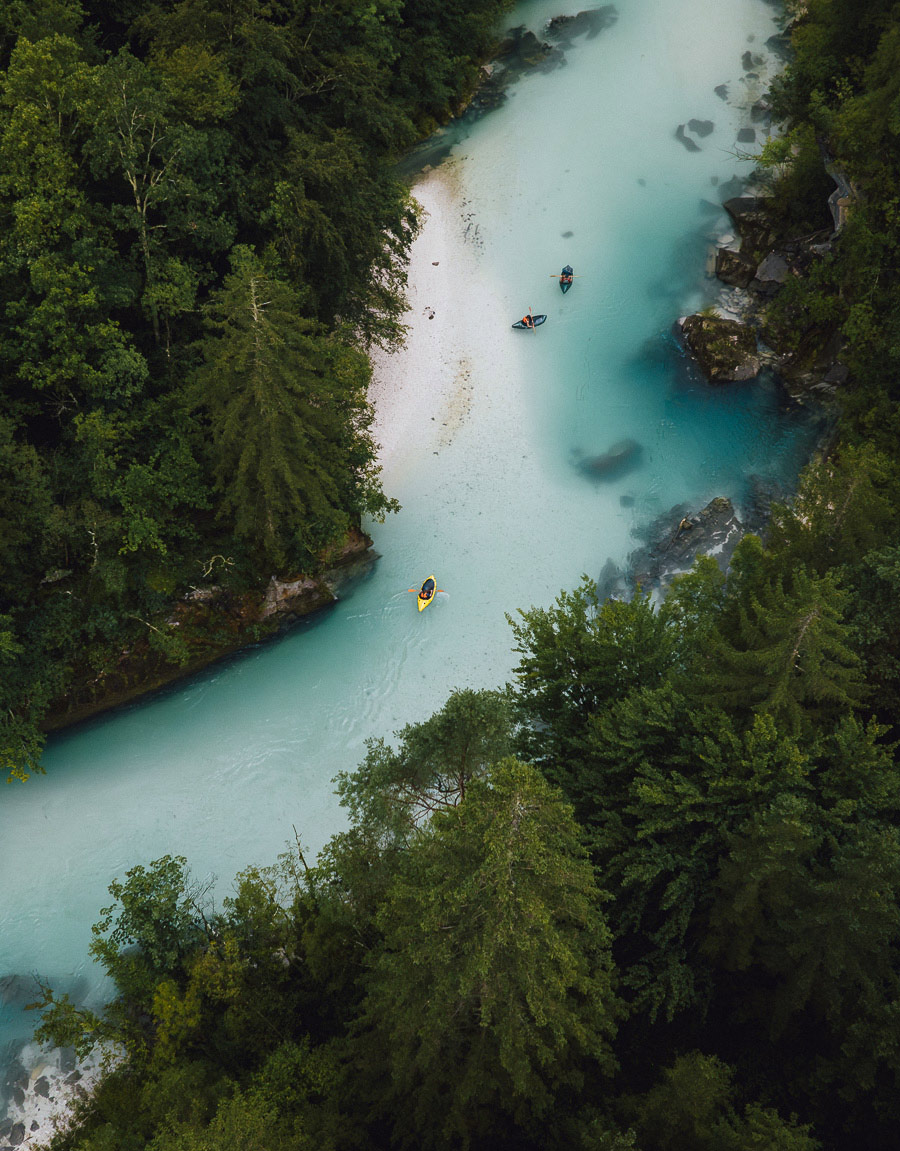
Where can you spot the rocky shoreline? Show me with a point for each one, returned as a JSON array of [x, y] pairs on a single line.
[[44, 1090], [733, 340]]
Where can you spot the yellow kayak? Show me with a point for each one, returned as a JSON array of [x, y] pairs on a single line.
[[427, 593]]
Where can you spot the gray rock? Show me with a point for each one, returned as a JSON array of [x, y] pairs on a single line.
[[721, 90], [751, 218], [761, 111], [300, 596], [675, 539], [42, 1086], [701, 127], [17, 1135], [836, 374], [780, 45], [774, 268], [746, 135], [690, 144]]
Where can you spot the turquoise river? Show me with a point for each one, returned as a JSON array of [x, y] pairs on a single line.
[[482, 428]]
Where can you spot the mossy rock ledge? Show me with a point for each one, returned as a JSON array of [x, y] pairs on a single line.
[[725, 350]]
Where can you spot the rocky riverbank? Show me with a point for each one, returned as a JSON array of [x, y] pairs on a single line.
[[735, 339], [209, 623]]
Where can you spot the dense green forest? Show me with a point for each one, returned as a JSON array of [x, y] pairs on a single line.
[[647, 896], [200, 236]]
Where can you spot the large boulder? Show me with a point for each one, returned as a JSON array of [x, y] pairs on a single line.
[[295, 597], [751, 218], [725, 350], [734, 268]]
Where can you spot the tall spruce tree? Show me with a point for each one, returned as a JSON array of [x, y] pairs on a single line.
[[289, 420], [494, 985], [785, 652]]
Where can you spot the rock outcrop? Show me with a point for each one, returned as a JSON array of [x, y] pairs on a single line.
[[734, 268], [725, 350], [673, 541], [753, 221]]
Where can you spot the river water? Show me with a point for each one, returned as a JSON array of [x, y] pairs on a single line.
[[483, 429]]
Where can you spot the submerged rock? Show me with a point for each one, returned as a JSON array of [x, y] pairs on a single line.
[[589, 23], [680, 134], [721, 90], [618, 459], [701, 127], [746, 136], [725, 350]]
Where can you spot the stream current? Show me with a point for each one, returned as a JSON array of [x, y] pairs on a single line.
[[580, 165]]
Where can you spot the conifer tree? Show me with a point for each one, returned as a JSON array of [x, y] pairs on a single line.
[[494, 981], [289, 420], [789, 654]]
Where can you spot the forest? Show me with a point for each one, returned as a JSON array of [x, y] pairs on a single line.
[[201, 234], [645, 897]]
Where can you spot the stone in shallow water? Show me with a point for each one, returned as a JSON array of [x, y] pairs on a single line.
[[618, 459], [567, 235], [701, 127], [721, 90], [42, 1086], [746, 135], [642, 181], [681, 135]]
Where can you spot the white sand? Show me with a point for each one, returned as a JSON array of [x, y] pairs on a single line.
[[425, 381]]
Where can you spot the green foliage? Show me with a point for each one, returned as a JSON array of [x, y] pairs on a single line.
[[576, 659], [693, 1109], [784, 652], [145, 150], [468, 1011], [392, 793]]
